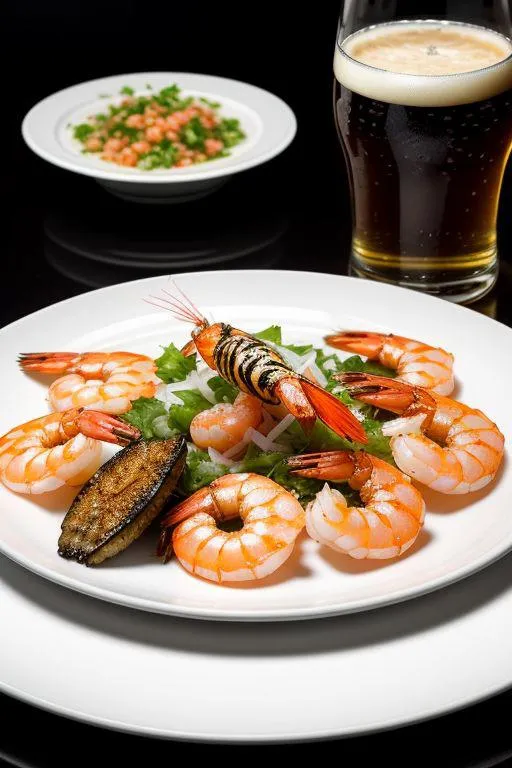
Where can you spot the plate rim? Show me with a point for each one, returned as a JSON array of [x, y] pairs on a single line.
[[255, 615], [159, 733], [171, 177]]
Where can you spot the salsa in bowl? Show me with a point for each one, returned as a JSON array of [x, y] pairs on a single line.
[[253, 125]]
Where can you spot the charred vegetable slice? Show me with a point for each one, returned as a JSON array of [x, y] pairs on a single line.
[[118, 503]]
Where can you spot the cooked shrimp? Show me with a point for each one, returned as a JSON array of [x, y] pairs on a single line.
[[105, 381], [58, 449], [385, 527], [272, 519], [440, 442], [224, 425], [416, 363]]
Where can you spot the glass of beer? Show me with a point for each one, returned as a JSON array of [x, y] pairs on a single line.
[[423, 109]]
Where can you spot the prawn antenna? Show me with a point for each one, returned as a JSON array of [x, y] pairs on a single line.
[[181, 308]]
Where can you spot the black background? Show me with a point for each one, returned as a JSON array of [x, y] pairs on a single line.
[[62, 234]]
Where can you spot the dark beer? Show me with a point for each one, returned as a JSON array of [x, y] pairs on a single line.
[[424, 112]]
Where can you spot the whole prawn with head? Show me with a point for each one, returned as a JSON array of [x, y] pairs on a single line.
[[257, 369]]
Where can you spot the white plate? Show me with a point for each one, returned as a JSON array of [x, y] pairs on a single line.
[[462, 534], [162, 676], [268, 122]]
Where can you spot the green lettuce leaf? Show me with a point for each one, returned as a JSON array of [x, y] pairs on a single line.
[[143, 413], [180, 416], [272, 333], [261, 462], [355, 363], [223, 390], [173, 366], [298, 349], [199, 471]]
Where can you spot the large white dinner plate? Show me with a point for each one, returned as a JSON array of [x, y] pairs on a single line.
[[269, 125], [176, 678], [461, 535]]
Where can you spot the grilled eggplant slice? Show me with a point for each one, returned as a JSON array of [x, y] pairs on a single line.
[[118, 503]]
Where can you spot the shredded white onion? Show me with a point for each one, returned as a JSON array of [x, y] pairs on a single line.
[[263, 442], [281, 427], [219, 458], [236, 449], [306, 361], [409, 425], [165, 396], [318, 375], [292, 358], [202, 385], [195, 380], [177, 386]]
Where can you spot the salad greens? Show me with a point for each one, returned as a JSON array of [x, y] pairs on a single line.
[[180, 416], [156, 420], [199, 471], [173, 366], [143, 413]]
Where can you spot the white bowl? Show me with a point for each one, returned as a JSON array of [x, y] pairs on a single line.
[[269, 125]]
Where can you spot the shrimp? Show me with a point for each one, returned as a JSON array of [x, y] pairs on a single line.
[[104, 381], [385, 527], [272, 519], [440, 442], [224, 425], [257, 369], [58, 449], [416, 363]]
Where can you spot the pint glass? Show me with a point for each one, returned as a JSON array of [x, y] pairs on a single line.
[[423, 108]]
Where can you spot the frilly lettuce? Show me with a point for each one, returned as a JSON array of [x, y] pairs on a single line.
[[173, 366]]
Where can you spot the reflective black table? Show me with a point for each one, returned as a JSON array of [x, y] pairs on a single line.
[[64, 235]]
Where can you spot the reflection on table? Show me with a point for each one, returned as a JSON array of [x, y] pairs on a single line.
[[109, 246]]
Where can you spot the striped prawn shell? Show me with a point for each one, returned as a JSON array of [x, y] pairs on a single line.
[[250, 364]]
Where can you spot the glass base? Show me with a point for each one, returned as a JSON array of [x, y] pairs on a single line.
[[461, 289]]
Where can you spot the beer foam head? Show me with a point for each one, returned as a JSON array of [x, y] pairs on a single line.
[[425, 63]]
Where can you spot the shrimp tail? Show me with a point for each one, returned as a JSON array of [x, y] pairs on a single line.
[[337, 466], [103, 426], [47, 362], [164, 547], [360, 342], [329, 465], [333, 412], [200, 501], [390, 394]]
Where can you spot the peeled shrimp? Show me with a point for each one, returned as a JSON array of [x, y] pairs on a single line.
[[385, 527], [106, 381], [58, 449], [440, 442], [224, 425], [272, 519], [416, 363]]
